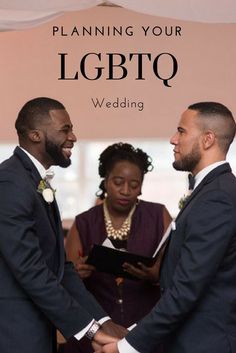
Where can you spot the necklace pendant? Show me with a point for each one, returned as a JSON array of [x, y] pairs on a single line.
[[123, 232]]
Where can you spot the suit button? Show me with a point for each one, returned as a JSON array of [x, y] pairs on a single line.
[[162, 290]]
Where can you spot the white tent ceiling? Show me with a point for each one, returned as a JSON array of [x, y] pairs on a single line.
[[21, 14]]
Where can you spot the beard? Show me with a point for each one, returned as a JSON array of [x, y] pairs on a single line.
[[189, 162], [55, 153]]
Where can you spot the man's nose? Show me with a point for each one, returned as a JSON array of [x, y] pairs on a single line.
[[173, 140], [72, 137]]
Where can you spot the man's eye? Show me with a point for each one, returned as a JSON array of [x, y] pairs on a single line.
[[66, 130]]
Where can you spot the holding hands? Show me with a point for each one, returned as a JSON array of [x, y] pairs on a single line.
[[105, 340], [107, 348]]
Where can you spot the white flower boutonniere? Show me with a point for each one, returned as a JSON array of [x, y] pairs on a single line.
[[46, 191]]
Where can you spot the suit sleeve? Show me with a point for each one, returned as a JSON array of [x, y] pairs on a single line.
[[21, 252], [209, 229], [75, 286]]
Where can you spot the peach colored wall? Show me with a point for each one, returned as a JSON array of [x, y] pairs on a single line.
[[29, 67]]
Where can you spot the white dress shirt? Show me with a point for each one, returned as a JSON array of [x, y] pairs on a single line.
[[201, 175]]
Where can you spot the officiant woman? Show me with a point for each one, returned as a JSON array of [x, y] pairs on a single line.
[[129, 223]]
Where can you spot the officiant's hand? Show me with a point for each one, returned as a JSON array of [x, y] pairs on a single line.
[[82, 268], [143, 272]]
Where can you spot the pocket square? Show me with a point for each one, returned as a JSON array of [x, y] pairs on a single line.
[[173, 225]]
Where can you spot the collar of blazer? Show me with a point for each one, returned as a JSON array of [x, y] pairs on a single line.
[[222, 169], [28, 164], [34, 174]]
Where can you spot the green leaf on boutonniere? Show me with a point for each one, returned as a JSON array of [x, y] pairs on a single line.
[[184, 199]]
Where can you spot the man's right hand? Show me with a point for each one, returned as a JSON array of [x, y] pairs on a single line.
[[101, 340], [108, 348]]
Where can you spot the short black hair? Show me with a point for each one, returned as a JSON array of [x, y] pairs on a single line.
[[121, 152], [33, 112], [211, 108], [219, 118]]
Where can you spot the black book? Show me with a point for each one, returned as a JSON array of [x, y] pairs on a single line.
[[110, 260]]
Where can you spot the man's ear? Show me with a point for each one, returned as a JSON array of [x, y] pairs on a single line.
[[208, 139], [35, 136]]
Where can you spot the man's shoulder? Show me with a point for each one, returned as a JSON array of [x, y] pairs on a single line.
[[9, 165], [12, 170]]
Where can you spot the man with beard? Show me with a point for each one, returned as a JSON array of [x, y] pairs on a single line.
[[197, 310], [39, 290]]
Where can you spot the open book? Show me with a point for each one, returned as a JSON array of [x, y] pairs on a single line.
[[110, 260]]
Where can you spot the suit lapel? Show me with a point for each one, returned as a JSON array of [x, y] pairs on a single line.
[[60, 239], [36, 177], [28, 165], [52, 209], [222, 169]]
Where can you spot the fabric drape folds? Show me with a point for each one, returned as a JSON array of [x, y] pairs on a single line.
[[22, 14]]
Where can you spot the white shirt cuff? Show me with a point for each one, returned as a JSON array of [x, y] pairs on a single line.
[[81, 334], [125, 347], [104, 319]]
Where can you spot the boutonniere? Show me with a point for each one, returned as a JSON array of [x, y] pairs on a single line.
[[184, 199], [47, 192]]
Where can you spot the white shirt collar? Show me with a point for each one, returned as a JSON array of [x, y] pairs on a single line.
[[40, 168], [201, 175]]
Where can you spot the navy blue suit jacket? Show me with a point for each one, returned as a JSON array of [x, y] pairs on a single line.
[[39, 290], [197, 310]]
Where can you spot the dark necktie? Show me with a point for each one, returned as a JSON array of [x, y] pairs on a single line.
[[191, 181]]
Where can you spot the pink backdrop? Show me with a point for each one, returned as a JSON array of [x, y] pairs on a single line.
[[29, 67]]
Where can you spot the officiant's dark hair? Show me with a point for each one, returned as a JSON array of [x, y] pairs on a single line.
[[33, 112], [121, 152]]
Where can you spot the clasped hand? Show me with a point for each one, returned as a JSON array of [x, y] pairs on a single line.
[[107, 337], [103, 343]]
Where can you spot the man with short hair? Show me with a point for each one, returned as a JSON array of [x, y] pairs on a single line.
[[39, 290], [197, 310]]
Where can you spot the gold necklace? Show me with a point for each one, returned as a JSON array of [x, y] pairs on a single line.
[[121, 233]]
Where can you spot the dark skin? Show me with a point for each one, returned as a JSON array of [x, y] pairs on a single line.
[[58, 130], [143, 272], [123, 185]]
